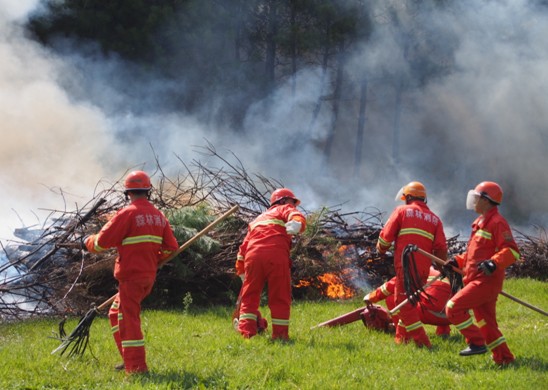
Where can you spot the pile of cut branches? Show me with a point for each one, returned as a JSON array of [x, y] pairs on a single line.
[[42, 275], [534, 257]]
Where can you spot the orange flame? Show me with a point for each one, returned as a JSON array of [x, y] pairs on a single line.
[[335, 287], [303, 283]]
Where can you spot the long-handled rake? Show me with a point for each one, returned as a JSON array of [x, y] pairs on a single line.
[[77, 341], [458, 270]]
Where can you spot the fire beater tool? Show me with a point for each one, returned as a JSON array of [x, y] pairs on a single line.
[[439, 261], [79, 337], [358, 314]]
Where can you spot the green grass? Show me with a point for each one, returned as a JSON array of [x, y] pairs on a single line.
[[199, 349]]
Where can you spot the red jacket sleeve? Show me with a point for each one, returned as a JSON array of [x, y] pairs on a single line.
[[389, 231]]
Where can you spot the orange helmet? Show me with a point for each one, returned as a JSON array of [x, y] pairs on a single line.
[[282, 193], [489, 190], [137, 181], [415, 189]]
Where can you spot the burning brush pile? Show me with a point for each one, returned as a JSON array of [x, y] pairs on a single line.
[[48, 274]]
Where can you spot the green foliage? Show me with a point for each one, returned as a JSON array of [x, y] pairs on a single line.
[[185, 271], [187, 301], [125, 27], [188, 221], [201, 350]]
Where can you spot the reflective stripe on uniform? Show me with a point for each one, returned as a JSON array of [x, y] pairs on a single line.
[[419, 232], [515, 253], [96, 246], [266, 222], [142, 239], [133, 343], [481, 323], [384, 290], [465, 324], [248, 316], [496, 343], [484, 233], [414, 326], [115, 329], [280, 322], [384, 243]]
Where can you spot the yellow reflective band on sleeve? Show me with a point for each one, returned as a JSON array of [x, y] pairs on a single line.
[[384, 243], [115, 329], [419, 232], [115, 305], [133, 343], [239, 258], [496, 343], [481, 323], [267, 222], [280, 322], [484, 233], [96, 246], [142, 239], [384, 290]]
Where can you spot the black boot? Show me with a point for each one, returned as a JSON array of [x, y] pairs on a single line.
[[473, 350]]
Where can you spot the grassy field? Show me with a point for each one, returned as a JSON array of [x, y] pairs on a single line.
[[197, 348]]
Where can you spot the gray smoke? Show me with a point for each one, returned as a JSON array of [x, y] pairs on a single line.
[[71, 120]]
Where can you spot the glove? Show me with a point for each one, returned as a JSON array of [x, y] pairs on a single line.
[[242, 276], [380, 250], [487, 267], [366, 299], [293, 227], [448, 267]]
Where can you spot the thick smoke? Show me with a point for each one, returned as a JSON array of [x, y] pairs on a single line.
[[52, 149], [483, 119]]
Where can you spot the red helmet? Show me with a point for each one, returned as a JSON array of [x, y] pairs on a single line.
[[415, 189], [489, 190], [137, 180], [282, 193]]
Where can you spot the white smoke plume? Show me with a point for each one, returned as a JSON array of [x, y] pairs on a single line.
[[67, 123]]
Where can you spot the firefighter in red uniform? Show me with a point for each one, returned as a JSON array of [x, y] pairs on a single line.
[[262, 323], [265, 256], [412, 223], [490, 250], [143, 237], [431, 303]]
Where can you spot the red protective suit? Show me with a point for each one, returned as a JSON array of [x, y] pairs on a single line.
[[431, 307], [491, 238], [264, 254], [143, 237], [415, 224]]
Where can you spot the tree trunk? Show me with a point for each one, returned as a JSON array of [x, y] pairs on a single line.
[[272, 31], [336, 101], [361, 127]]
